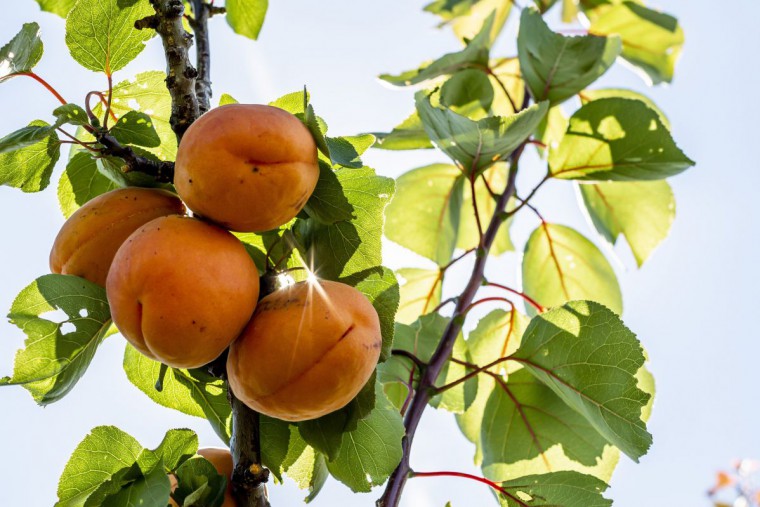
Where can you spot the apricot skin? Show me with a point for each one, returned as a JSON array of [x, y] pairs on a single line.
[[222, 461], [87, 242], [181, 290], [247, 167], [308, 350]]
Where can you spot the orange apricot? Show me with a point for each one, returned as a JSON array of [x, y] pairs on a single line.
[[222, 461], [181, 290], [88, 241], [247, 167], [308, 350]]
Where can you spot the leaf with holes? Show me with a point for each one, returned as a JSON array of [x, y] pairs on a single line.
[[370, 452], [642, 211], [568, 489], [29, 167], [22, 53], [246, 17], [71, 114], [101, 35], [652, 40], [617, 139], [560, 265], [136, 128], [472, 145], [586, 355], [556, 67], [425, 211], [420, 291], [58, 348], [474, 55], [192, 392]]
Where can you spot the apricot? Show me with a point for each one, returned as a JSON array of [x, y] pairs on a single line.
[[308, 350], [87, 242], [222, 461], [181, 290], [247, 167]]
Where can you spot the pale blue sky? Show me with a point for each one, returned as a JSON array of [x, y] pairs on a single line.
[[693, 305]]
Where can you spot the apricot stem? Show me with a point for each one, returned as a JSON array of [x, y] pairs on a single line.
[[161, 375], [516, 292]]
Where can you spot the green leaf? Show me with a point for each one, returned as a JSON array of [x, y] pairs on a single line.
[[421, 339], [226, 98], [568, 489], [246, 17], [617, 139], [36, 132], [497, 335], [192, 392], [113, 169], [569, 10], [474, 55], [380, 286], [652, 40], [328, 204], [199, 484], [59, 7], [642, 211], [469, 92], [561, 265], [474, 146], [556, 67], [408, 135], [528, 429], [22, 53], [276, 443], [350, 246], [136, 128], [29, 167], [370, 452], [468, 236], [109, 467], [59, 348], [425, 211], [466, 17], [301, 462], [587, 356], [551, 130], [591, 95], [147, 93], [80, 182], [345, 151], [101, 35], [506, 80], [420, 291], [72, 114]]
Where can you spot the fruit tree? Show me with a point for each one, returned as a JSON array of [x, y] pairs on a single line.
[[237, 247]]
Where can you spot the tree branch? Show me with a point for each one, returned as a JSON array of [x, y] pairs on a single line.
[[180, 73], [162, 172], [426, 388], [199, 22], [248, 477]]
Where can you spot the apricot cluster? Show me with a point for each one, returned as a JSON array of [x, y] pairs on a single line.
[[183, 289]]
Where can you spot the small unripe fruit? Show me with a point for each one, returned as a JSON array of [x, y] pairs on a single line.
[[308, 350], [88, 241], [248, 167], [181, 290], [222, 461]]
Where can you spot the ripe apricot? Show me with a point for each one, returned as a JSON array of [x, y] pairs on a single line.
[[248, 167], [181, 290], [307, 351], [87, 242], [222, 461]]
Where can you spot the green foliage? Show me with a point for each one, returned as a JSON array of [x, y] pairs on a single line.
[[420, 293], [493, 179], [466, 17], [101, 35], [585, 354], [199, 484], [22, 53], [561, 265], [642, 211], [619, 140], [59, 348], [59, 7], [192, 392], [136, 128], [476, 145], [408, 135], [28, 156], [246, 17], [652, 40], [80, 182], [568, 489], [556, 67], [109, 467], [604, 93], [71, 114]]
